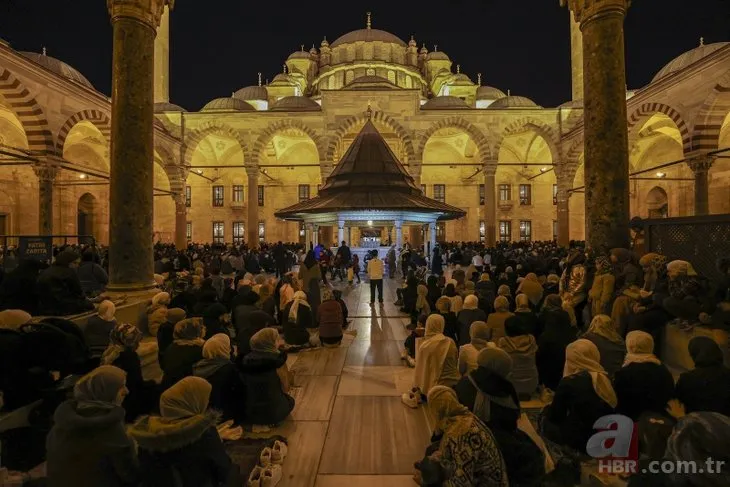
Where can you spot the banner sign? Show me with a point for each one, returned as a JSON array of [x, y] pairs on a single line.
[[35, 248]]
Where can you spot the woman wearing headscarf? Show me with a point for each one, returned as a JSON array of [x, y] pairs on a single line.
[[531, 287], [88, 445], [267, 402], [552, 284], [485, 291], [687, 292], [124, 341], [185, 351], [15, 360], [59, 289], [214, 319], [506, 292], [601, 291], [330, 320], [495, 321], [480, 334], [522, 348], [166, 331], [705, 388], [443, 308], [573, 281], [181, 447], [625, 269], [467, 453], [227, 395], [436, 362], [610, 344], [468, 315], [98, 327], [422, 306], [584, 394], [311, 275], [298, 320], [266, 300], [643, 384], [456, 300], [434, 291], [557, 333], [529, 320]]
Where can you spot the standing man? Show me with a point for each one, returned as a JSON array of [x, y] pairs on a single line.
[[280, 259], [391, 258], [375, 273], [345, 257]]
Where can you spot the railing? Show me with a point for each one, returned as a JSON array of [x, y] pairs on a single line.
[[37, 247]]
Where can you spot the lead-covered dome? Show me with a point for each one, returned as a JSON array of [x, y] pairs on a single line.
[[295, 104], [252, 93], [168, 107], [366, 83], [229, 104], [445, 103], [58, 67], [688, 58], [514, 102], [437, 56], [300, 55], [367, 35], [489, 93]]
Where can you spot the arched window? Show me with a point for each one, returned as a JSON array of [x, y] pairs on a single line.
[[391, 76], [657, 203], [349, 76], [331, 83], [409, 82]]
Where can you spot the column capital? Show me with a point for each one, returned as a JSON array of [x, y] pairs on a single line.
[[700, 162], [252, 171], [398, 223], [45, 172], [490, 168], [147, 11], [586, 10], [179, 199]]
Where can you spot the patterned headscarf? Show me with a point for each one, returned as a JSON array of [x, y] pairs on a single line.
[[602, 325], [100, 387], [265, 340], [124, 336], [603, 265], [189, 332]]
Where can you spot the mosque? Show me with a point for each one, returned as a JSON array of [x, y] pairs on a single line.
[[223, 171]]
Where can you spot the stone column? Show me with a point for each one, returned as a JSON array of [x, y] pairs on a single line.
[[134, 24], [563, 207], [700, 166], [415, 233], [576, 58], [181, 222], [606, 137], [315, 235], [46, 176], [398, 234], [340, 231], [252, 224], [432, 236], [349, 236], [490, 205], [162, 59], [310, 236]]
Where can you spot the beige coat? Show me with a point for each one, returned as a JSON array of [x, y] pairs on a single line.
[[601, 293]]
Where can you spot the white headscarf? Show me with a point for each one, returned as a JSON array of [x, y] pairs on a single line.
[[300, 297], [471, 302], [681, 267], [640, 347], [432, 353], [217, 346], [189, 397], [106, 310], [161, 298], [582, 355]]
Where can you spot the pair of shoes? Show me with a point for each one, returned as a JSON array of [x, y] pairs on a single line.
[[411, 362], [274, 455], [260, 428], [399, 302], [410, 399], [267, 476]]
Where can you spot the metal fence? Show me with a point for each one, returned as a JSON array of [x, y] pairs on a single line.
[[700, 240]]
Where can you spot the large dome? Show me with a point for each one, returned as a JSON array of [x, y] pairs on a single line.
[[228, 104], [371, 83], [168, 107], [690, 57], [58, 67], [368, 35], [445, 103], [489, 93], [252, 93], [295, 104], [514, 102], [437, 56]]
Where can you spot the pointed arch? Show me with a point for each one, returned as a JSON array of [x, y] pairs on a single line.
[[213, 127], [287, 123], [28, 111], [100, 120], [479, 139], [646, 110], [531, 124], [709, 120], [379, 117]]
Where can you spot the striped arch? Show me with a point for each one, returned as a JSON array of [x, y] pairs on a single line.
[[214, 127], [708, 124], [28, 111], [646, 110], [575, 150], [530, 124], [479, 139], [100, 120], [377, 116], [287, 123]]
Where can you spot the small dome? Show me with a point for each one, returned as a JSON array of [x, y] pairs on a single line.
[[295, 104], [412, 42], [282, 79], [299, 55], [688, 58], [423, 50], [324, 43], [313, 51], [371, 83], [168, 107], [229, 104], [514, 102], [572, 104], [489, 93], [437, 56], [460, 79], [58, 67], [252, 93], [445, 103], [368, 35]]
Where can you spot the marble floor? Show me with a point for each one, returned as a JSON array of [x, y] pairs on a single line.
[[349, 427]]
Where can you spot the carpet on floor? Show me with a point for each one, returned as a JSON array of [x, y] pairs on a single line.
[[246, 451]]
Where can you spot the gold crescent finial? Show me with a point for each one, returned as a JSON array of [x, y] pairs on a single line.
[[435, 48], [702, 42], [479, 79], [369, 23], [302, 47], [44, 51], [259, 79], [458, 69]]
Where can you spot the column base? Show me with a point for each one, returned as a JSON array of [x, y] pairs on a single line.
[[131, 289]]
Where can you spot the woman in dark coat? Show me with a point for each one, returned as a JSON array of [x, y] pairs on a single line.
[[248, 319], [92, 276], [311, 275], [182, 448], [330, 320], [468, 315], [185, 351], [611, 346], [98, 327], [434, 291], [217, 368], [18, 288], [266, 401], [166, 331], [59, 289], [705, 388], [437, 263], [557, 333], [88, 445], [213, 319], [298, 319]]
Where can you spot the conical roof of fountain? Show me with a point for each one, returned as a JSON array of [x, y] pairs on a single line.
[[369, 177]]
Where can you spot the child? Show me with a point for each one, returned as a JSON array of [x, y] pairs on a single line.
[[355, 269]]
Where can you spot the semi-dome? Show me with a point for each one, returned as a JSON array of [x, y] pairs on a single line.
[[437, 56], [282, 78], [229, 104], [368, 35], [688, 58], [489, 93], [445, 103], [168, 107], [252, 93], [371, 83], [295, 104], [58, 67], [514, 102], [300, 55]]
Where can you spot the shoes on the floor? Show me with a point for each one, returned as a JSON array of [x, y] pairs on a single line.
[[260, 428], [265, 458], [411, 362], [278, 452], [254, 479], [410, 399], [399, 302], [271, 476]]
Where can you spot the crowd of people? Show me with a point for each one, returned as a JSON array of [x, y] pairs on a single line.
[[489, 328]]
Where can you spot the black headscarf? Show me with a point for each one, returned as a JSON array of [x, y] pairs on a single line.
[[309, 260], [705, 352]]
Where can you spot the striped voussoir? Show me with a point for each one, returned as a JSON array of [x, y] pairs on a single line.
[[28, 111], [710, 119], [648, 109], [100, 120]]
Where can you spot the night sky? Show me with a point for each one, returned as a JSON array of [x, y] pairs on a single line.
[[218, 46]]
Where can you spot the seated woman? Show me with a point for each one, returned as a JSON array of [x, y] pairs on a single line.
[[88, 445], [298, 320], [155, 314], [142, 395], [443, 307], [98, 327], [530, 322], [59, 289], [267, 402], [468, 315], [329, 317], [705, 388], [186, 350], [466, 453], [436, 363], [602, 289], [610, 344], [687, 293], [522, 348], [214, 319], [166, 331], [496, 320], [584, 394], [556, 335], [505, 291], [337, 294], [457, 302], [266, 300], [480, 334], [181, 447], [409, 346], [217, 368], [531, 287], [421, 307]]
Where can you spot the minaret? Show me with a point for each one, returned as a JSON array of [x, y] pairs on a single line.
[[162, 59], [576, 58]]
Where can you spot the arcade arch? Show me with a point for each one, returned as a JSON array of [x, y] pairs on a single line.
[[18, 182], [720, 173]]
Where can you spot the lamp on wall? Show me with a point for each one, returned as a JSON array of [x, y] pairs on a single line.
[[370, 223], [661, 174]]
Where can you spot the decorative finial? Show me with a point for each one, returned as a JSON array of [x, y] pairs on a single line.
[[369, 111], [285, 69], [370, 21], [702, 41], [423, 46], [458, 69], [259, 79], [267, 82], [435, 48], [233, 94], [44, 50], [479, 79], [508, 93], [302, 47]]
